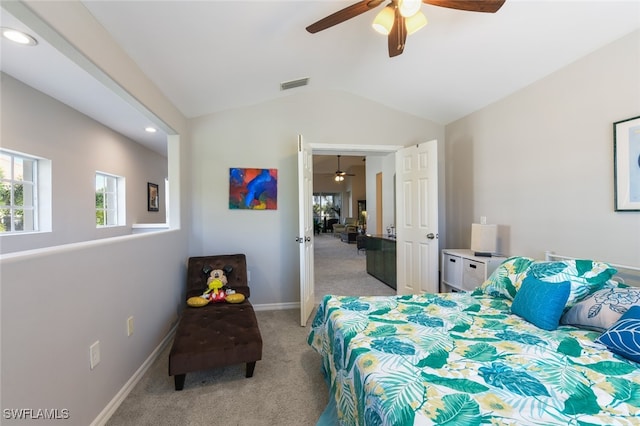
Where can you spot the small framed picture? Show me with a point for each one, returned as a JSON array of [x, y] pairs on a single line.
[[153, 199], [626, 164]]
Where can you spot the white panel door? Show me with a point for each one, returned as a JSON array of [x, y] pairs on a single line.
[[305, 229], [417, 218]]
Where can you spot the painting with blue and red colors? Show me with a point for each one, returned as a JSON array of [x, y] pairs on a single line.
[[253, 189]]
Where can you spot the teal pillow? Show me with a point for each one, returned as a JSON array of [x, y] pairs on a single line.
[[623, 337], [541, 303]]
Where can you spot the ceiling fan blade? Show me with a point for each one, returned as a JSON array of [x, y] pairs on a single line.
[[343, 15], [488, 6], [397, 36]]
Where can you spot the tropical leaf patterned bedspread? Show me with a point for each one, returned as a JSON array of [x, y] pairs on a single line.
[[464, 359]]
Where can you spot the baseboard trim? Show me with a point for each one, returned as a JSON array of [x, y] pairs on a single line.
[[276, 306], [113, 405]]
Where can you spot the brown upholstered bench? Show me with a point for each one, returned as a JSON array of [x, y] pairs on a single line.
[[218, 334]]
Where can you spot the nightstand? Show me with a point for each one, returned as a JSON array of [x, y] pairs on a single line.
[[462, 271]]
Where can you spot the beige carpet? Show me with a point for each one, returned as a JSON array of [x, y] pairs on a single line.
[[287, 387], [341, 269]]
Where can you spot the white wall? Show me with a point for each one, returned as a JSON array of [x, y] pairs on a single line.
[[78, 147], [265, 136], [540, 162], [387, 166], [358, 188]]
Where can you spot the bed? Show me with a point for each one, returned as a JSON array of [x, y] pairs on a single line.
[[539, 343]]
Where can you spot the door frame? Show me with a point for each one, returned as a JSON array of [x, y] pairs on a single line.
[[326, 149], [351, 149]]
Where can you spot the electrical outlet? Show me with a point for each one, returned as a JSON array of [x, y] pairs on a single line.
[[129, 326], [248, 276], [94, 354], [483, 220]]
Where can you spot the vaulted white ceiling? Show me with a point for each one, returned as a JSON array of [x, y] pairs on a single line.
[[214, 55], [208, 56]]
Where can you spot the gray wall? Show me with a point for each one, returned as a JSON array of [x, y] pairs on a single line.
[[62, 290], [56, 301], [78, 147], [540, 162]]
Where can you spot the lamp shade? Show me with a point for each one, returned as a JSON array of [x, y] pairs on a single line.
[[484, 239], [384, 20], [409, 7], [415, 22]]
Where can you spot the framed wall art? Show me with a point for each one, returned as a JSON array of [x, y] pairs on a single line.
[[253, 189], [626, 164], [153, 199]]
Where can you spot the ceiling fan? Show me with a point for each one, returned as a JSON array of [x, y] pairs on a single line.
[[340, 174], [400, 17]]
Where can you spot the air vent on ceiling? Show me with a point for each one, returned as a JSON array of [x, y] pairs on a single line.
[[294, 83]]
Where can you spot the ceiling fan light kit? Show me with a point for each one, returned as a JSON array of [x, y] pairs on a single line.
[[415, 22], [384, 20], [400, 17], [413, 17], [409, 8], [340, 174]]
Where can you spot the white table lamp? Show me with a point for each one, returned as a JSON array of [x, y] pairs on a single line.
[[484, 239]]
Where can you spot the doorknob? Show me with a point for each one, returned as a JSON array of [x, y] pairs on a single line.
[[431, 235]]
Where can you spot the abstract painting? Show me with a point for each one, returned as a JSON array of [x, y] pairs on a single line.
[[253, 189]]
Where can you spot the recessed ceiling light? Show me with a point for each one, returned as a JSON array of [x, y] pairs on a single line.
[[18, 37], [150, 129]]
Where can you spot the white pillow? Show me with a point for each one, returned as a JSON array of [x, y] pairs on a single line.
[[602, 309]]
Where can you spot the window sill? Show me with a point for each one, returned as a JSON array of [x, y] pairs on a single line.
[[139, 228]]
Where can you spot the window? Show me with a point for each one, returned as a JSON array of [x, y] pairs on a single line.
[[326, 210], [107, 194], [326, 205], [18, 193]]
